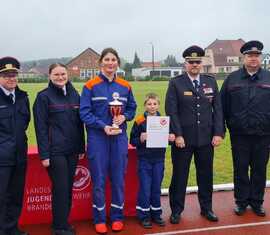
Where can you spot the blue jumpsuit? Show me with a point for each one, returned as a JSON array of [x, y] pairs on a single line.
[[107, 154], [150, 172]]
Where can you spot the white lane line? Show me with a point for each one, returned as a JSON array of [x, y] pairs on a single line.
[[211, 228]]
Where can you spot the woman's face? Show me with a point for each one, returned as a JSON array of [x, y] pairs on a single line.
[[109, 64], [59, 76]]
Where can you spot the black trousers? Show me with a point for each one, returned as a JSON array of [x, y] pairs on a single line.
[[61, 172], [181, 158], [11, 195], [250, 158]]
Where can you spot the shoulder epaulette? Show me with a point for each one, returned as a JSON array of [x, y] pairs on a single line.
[[123, 82], [139, 119], [92, 82], [209, 76]]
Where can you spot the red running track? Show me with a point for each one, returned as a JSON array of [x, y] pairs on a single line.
[[192, 223]]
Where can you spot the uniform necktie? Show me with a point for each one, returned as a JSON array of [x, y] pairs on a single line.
[[196, 84], [11, 96]]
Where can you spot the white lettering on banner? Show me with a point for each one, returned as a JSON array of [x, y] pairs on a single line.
[[40, 198], [79, 196], [39, 207], [38, 190]]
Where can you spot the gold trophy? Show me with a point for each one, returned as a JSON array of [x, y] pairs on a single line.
[[116, 110]]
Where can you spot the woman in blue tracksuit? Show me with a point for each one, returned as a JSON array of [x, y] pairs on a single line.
[[150, 166], [60, 139], [107, 150]]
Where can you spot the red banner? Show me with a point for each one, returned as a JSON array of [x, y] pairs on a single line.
[[37, 194]]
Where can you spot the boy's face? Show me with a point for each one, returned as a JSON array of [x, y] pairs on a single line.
[[151, 106]]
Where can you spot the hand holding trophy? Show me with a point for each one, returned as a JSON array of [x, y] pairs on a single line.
[[115, 110]]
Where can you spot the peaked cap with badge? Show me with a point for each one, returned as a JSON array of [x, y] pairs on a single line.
[[252, 47], [194, 53], [9, 64]]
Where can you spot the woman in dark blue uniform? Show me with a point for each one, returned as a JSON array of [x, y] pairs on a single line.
[[60, 139]]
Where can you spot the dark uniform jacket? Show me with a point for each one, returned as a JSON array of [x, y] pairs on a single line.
[[149, 154], [197, 116], [246, 102], [59, 129], [14, 120]]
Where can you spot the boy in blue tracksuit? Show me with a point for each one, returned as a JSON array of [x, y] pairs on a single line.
[[150, 166]]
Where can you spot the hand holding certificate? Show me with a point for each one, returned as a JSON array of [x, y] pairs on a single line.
[[157, 131]]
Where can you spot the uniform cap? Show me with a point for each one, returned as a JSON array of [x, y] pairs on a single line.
[[193, 53], [252, 47], [9, 64]]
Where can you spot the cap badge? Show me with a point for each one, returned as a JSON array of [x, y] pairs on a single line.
[[194, 54], [8, 66]]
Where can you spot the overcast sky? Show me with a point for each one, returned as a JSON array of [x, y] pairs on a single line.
[[35, 29]]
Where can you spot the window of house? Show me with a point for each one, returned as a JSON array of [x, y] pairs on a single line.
[[82, 73], [154, 73], [228, 69], [120, 74], [89, 73], [166, 73], [221, 70]]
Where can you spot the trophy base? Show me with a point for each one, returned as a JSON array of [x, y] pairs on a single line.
[[116, 131]]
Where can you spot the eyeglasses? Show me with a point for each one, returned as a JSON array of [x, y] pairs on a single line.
[[194, 62]]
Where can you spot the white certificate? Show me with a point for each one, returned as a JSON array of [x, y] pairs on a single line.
[[157, 130]]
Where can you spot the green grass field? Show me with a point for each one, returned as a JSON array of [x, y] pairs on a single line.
[[222, 162]]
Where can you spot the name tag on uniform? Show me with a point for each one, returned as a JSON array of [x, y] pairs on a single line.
[[207, 90], [3, 106], [187, 92]]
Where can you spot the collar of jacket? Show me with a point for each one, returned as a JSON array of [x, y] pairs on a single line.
[[104, 78], [146, 114], [60, 90], [246, 75], [19, 94]]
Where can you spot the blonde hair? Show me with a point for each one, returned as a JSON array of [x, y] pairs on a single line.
[[151, 95]]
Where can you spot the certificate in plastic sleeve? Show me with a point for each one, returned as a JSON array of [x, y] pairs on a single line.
[[157, 131]]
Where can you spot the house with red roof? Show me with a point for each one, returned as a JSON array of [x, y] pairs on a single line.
[[85, 65], [223, 56]]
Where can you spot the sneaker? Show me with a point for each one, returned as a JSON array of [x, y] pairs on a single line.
[[117, 226], [159, 221], [17, 231], [146, 223], [101, 228], [62, 232]]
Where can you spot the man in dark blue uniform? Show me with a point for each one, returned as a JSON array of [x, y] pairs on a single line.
[[14, 120], [194, 106], [245, 98]]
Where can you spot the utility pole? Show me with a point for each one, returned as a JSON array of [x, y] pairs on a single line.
[[153, 59]]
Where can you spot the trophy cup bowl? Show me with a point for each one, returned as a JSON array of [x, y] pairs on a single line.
[[116, 110]]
